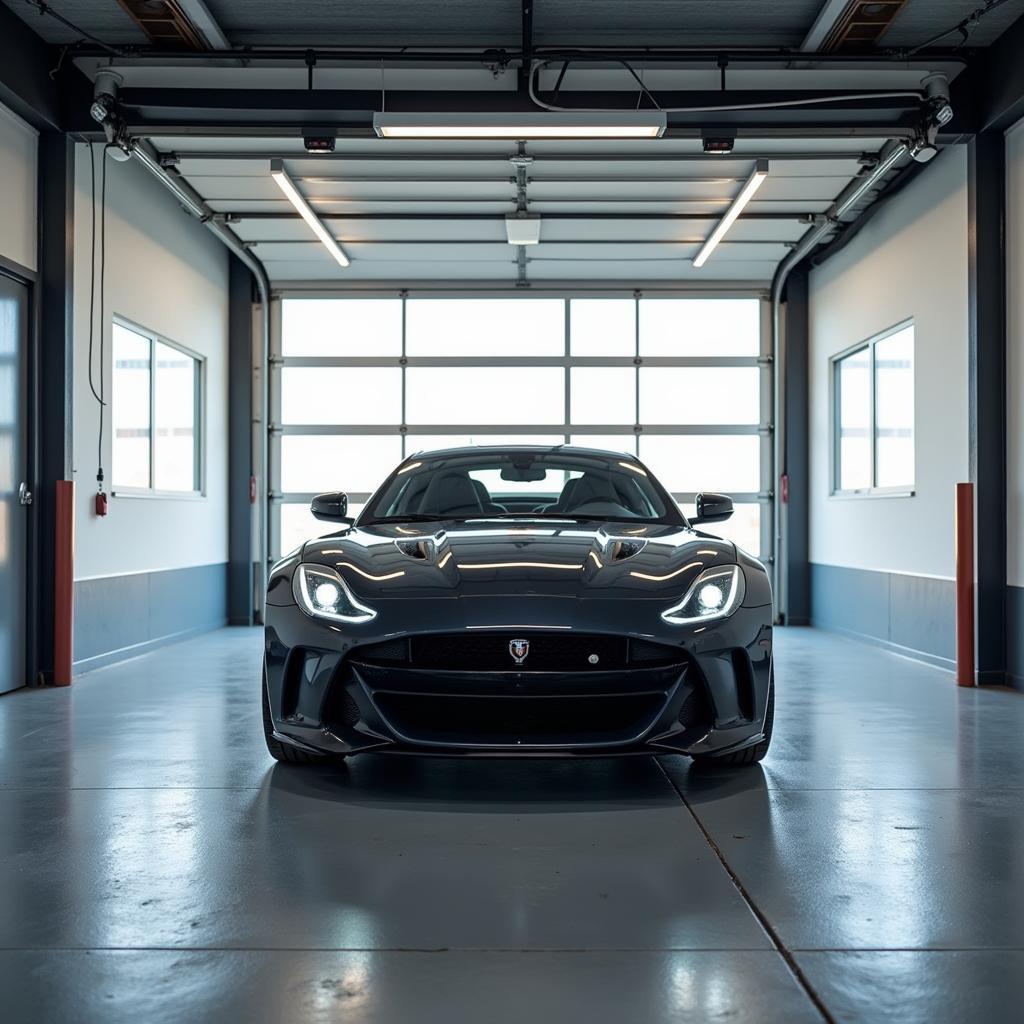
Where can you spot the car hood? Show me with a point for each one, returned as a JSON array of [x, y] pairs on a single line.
[[523, 557]]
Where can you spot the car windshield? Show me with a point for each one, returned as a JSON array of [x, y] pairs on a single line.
[[510, 482]]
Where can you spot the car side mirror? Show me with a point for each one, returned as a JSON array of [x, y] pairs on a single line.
[[331, 507], [713, 508]]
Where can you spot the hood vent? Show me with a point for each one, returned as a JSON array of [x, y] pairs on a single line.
[[622, 549], [421, 549]]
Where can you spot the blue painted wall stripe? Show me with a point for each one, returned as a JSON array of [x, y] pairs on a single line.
[[121, 616], [1015, 636], [913, 615]]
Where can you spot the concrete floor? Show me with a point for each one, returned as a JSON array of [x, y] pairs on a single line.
[[156, 866]]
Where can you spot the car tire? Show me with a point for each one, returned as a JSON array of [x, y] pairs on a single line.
[[750, 755], [285, 752]]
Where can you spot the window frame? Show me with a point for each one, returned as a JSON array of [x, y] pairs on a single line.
[[869, 345], [198, 492]]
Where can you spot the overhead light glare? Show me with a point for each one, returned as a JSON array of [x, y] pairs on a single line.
[[753, 183], [287, 186], [625, 124], [522, 228]]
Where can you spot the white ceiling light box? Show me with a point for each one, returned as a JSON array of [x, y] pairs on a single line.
[[522, 228], [588, 124]]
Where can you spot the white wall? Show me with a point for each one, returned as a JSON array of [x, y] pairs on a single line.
[[166, 272], [1015, 354], [909, 261], [19, 144]]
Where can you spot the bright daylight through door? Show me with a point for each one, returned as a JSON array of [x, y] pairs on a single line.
[[681, 382]]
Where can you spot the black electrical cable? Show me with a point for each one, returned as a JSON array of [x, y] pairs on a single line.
[[44, 8], [103, 325], [92, 271], [963, 26]]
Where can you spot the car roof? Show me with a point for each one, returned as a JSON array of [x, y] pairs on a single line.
[[559, 449]]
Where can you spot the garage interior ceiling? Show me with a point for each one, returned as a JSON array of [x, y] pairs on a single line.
[[630, 213], [431, 211], [498, 22]]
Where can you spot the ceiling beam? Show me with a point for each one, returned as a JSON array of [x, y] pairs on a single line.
[[828, 17], [851, 26], [489, 57], [526, 60], [496, 217], [30, 83], [266, 112], [205, 23], [989, 96], [695, 240], [164, 23], [386, 155]]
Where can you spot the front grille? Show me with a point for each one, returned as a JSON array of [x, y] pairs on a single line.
[[519, 721], [388, 651], [340, 708], [695, 712], [490, 652]]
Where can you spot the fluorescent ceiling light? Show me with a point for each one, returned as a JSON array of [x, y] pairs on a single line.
[[522, 228], [746, 194], [287, 186], [587, 124]]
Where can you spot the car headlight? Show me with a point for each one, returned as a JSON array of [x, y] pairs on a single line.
[[322, 593], [714, 594]]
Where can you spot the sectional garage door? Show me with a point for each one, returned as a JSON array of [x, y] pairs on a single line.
[[360, 382]]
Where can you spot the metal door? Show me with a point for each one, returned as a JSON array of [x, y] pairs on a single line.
[[14, 494]]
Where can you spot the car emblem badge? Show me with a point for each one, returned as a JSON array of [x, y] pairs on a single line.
[[519, 649]]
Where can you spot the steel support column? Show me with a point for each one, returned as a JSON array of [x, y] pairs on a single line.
[[986, 199], [240, 464], [796, 565], [52, 368]]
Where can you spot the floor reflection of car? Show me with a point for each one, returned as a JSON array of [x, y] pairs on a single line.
[[519, 601]]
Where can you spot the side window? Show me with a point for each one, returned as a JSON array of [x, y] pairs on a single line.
[[873, 415], [156, 414]]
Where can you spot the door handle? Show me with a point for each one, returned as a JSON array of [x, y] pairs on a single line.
[[24, 494]]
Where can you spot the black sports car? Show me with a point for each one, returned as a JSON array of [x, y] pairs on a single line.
[[519, 601]]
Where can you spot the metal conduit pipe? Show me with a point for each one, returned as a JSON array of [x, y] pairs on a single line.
[[148, 157], [891, 155]]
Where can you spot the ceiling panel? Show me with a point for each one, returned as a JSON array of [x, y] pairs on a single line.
[[490, 23], [420, 270], [431, 209]]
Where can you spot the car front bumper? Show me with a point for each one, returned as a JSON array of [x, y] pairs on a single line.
[[326, 696]]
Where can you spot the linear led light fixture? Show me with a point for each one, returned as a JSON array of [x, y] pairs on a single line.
[[753, 183], [585, 124], [287, 186]]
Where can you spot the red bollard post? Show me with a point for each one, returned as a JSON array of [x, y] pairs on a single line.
[[965, 585], [64, 582]]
